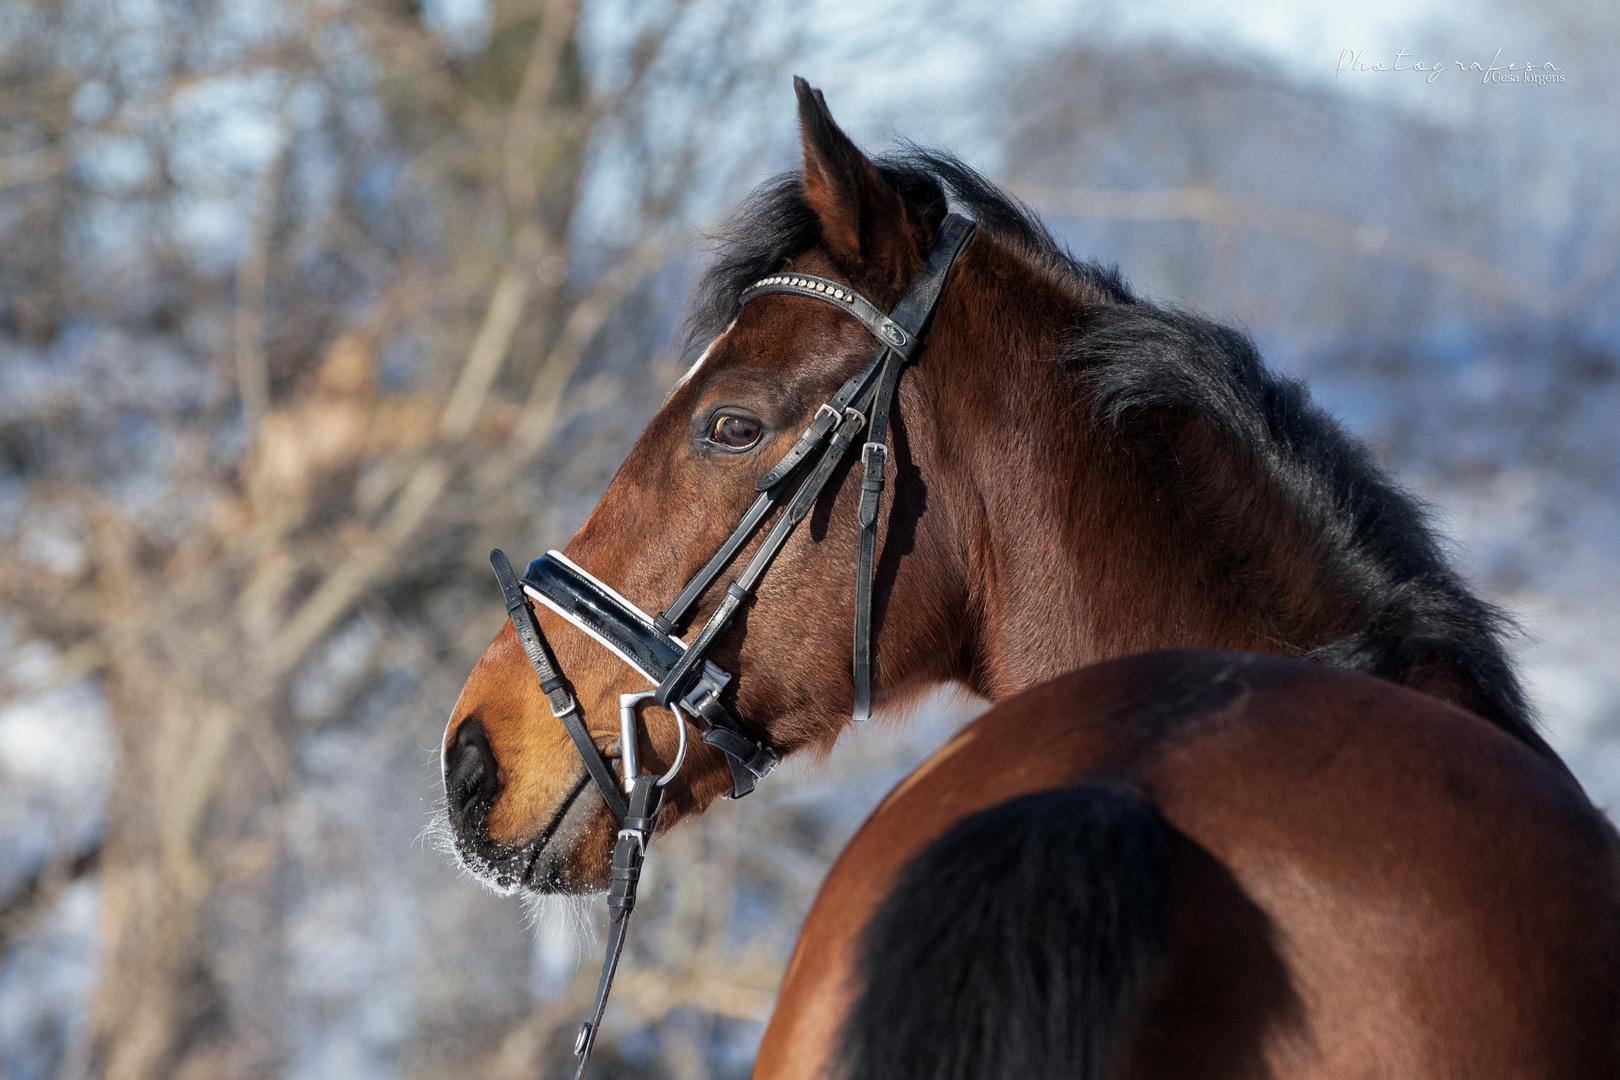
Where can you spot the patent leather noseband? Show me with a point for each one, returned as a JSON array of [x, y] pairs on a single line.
[[686, 682]]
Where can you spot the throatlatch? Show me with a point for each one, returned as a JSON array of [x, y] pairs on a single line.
[[687, 683]]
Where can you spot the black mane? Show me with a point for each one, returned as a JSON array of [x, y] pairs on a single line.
[[1376, 537], [775, 223], [1134, 357]]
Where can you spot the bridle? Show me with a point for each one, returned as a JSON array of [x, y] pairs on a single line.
[[685, 679]]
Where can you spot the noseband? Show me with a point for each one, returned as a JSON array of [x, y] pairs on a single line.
[[686, 681]]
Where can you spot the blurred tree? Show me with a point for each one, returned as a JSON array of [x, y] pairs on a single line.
[[297, 290]]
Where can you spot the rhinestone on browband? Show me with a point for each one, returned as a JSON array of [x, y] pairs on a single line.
[[805, 283]]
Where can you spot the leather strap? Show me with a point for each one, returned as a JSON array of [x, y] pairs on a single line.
[[684, 673], [885, 328], [563, 705], [771, 491], [722, 731], [673, 618], [629, 851], [874, 456], [916, 309], [914, 312], [824, 423]]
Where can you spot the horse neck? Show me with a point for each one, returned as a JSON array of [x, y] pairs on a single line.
[[1078, 545]]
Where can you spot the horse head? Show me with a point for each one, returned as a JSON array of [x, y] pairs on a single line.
[[519, 797]]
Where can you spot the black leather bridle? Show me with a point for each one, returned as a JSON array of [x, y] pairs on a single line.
[[685, 680]]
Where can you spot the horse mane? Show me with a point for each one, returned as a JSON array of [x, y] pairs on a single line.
[[775, 223], [1135, 358], [1421, 620]]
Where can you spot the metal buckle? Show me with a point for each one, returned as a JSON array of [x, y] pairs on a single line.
[[639, 837], [871, 448], [573, 706], [832, 416], [708, 686]]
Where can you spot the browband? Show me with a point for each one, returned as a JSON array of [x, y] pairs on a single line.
[[884, 328]]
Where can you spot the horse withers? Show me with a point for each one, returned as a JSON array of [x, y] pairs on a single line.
[[1069, 474]]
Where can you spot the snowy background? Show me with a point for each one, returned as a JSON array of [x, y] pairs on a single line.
[[1440, 259]]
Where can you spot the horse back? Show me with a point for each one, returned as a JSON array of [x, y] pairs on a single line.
[[1366, 880]]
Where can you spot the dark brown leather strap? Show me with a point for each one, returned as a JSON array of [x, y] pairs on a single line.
[[563, 705], [914, 312], [629, 852], [771, 492], [684, 673]]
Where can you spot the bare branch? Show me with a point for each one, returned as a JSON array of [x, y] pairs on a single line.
[[524, 127], [252, 374], [34, 894], [584, 322], [1199, 204], [488, 351]]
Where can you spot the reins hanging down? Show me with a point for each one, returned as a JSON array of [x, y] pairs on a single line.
[[687, 683]]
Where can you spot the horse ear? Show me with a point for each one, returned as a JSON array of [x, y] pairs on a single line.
[[863, 218]]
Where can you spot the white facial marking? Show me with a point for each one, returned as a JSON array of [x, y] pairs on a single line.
[[693, 370]]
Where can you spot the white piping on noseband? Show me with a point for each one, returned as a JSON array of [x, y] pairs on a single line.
[[575, 621], [627, 702]]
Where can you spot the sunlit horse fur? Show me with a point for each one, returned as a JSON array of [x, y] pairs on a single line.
[[1075, 475]]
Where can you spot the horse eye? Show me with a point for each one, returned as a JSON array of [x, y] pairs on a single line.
[[737, 432]]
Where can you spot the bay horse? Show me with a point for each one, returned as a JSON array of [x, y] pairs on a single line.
[[1070, 474]]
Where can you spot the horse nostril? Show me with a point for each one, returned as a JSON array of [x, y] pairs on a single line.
[[469, 769]]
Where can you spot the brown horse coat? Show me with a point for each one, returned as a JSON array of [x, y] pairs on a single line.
[[1369, 882]]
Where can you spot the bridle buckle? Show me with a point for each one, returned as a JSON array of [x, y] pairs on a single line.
[[874, 449]]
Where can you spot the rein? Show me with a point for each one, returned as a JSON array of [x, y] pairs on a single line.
[[687, 684]]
